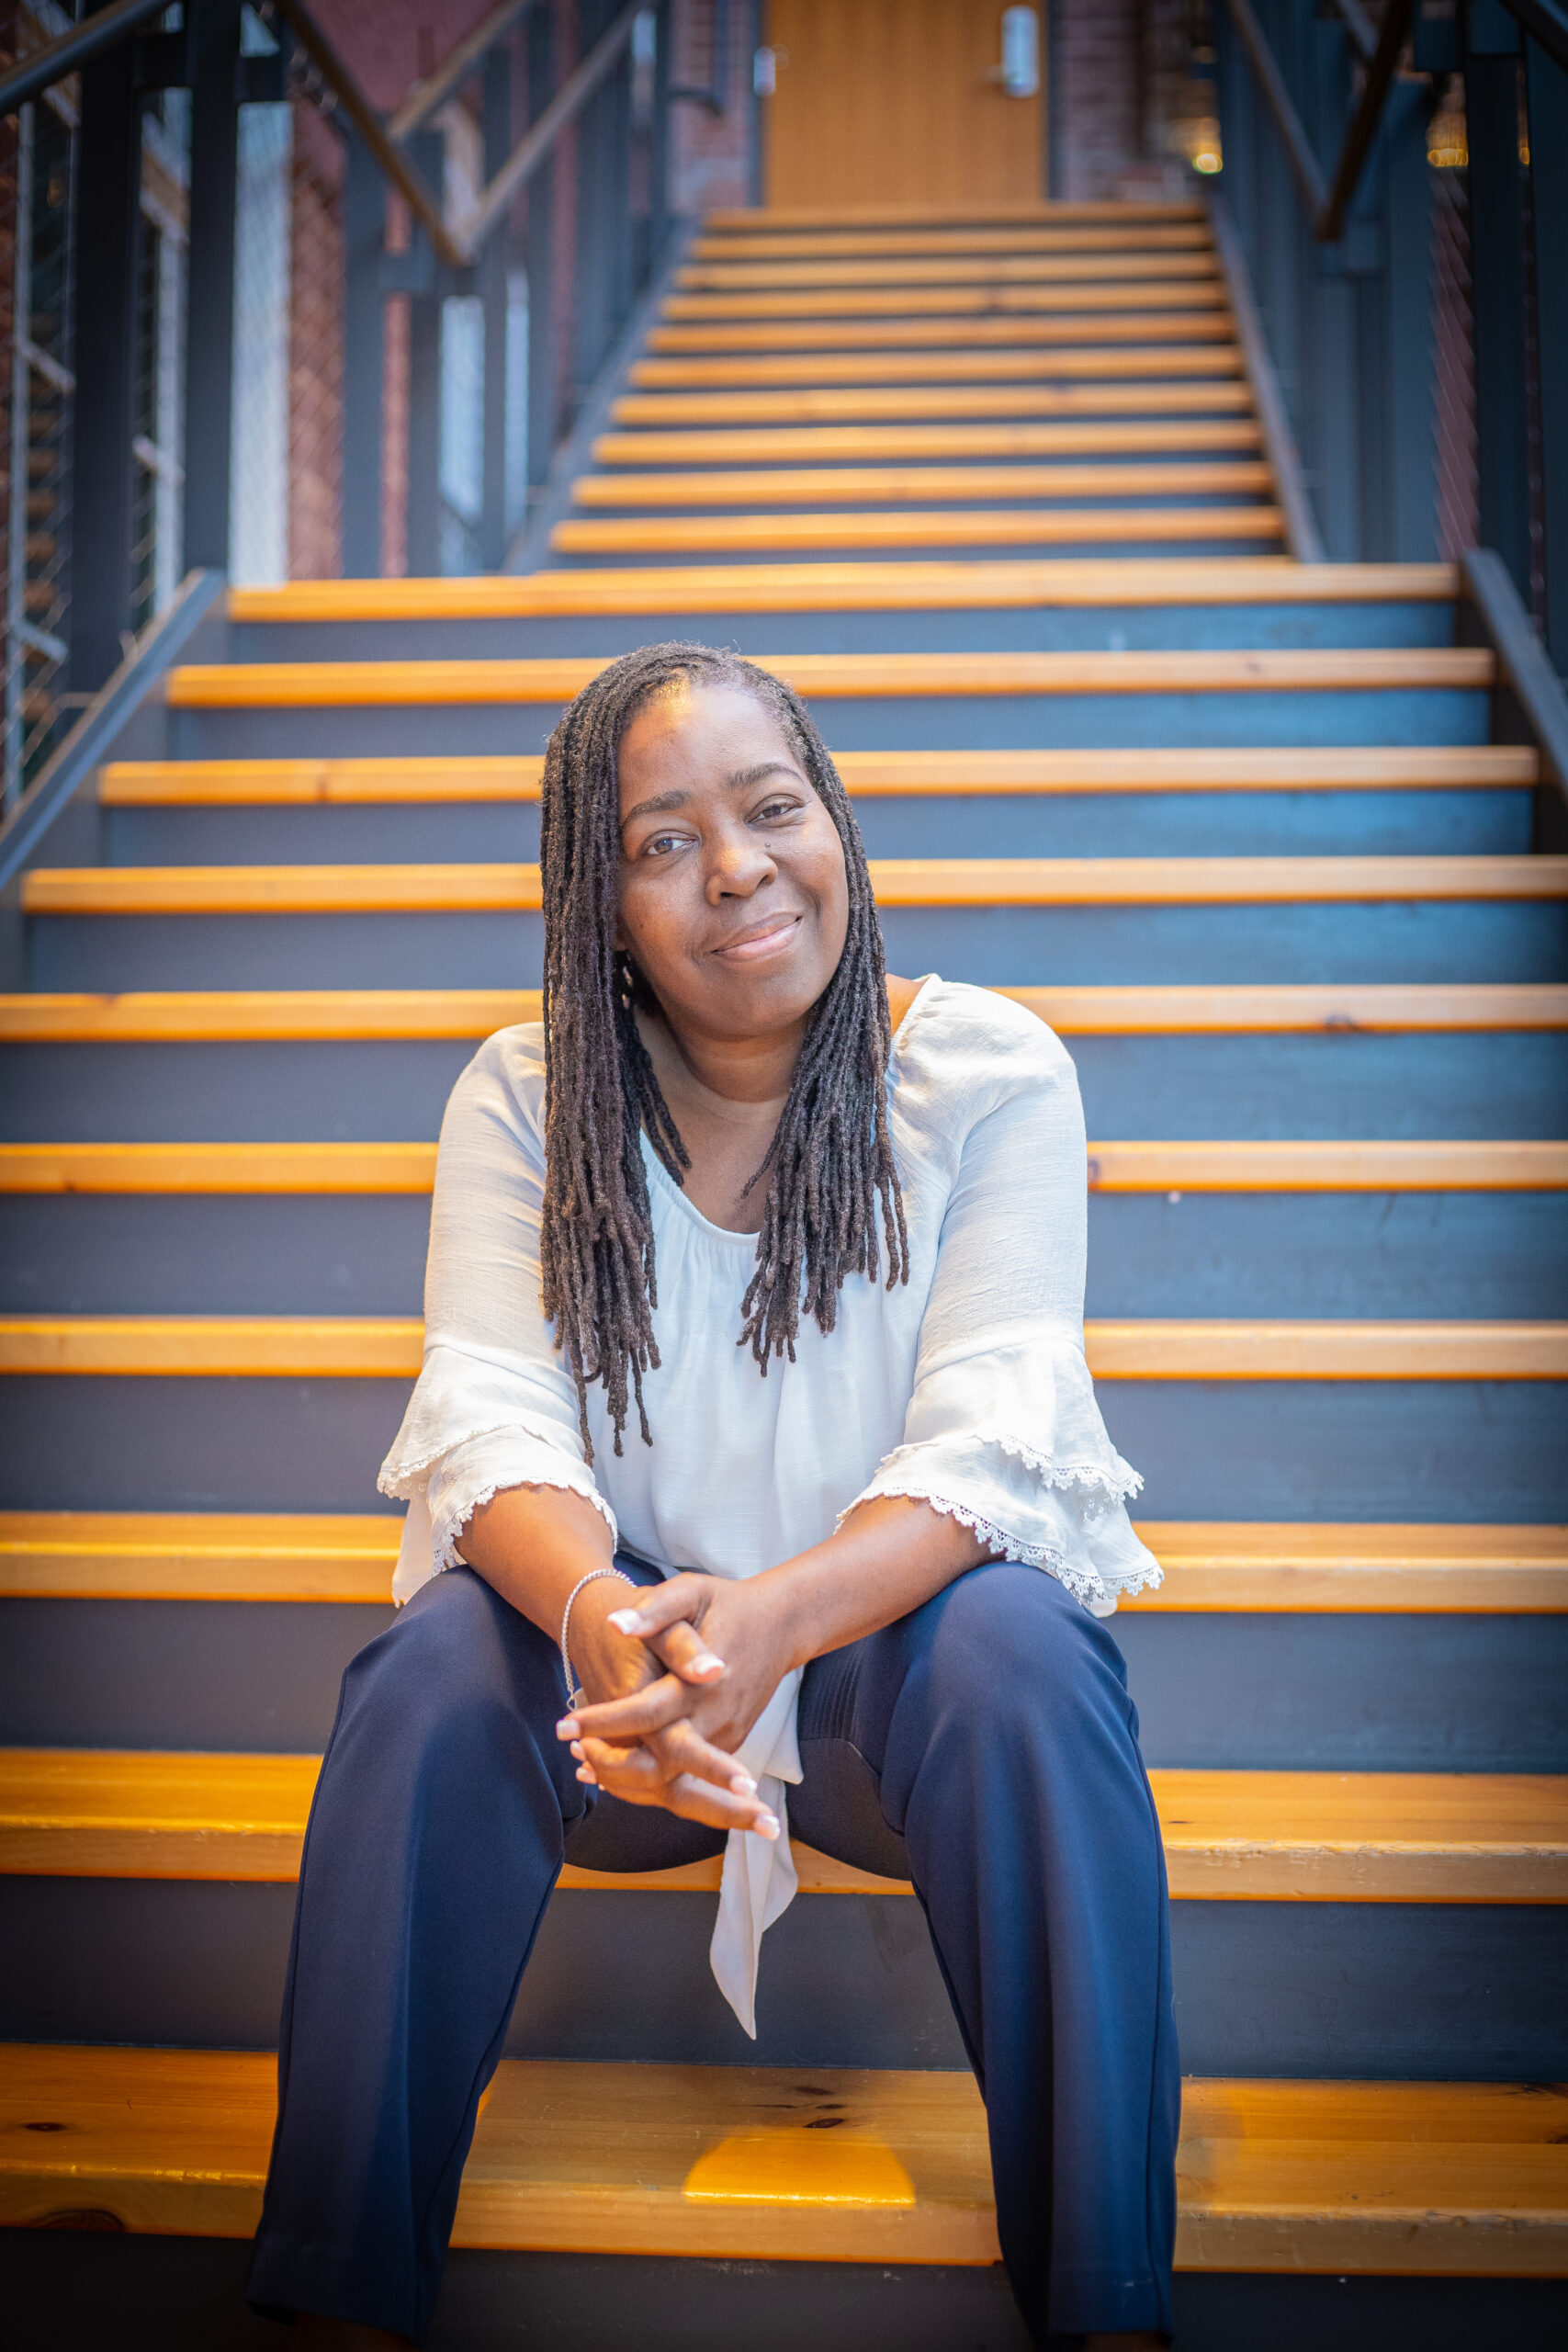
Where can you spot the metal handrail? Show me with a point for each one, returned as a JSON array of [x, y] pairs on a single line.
[[537, 143], [1327, 205], [424, 96], [71, 50]]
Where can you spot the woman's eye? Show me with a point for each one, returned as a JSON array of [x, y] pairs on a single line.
[[776, 809], [661, 844]]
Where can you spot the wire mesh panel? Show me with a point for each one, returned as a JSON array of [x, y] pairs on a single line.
[[39, 385]]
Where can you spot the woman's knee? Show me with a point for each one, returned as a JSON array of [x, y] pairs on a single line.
[[1007, 1637], [457, 1665]]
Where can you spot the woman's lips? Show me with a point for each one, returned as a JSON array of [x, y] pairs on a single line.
[[761, 940]]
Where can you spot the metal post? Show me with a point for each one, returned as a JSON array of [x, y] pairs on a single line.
[[1497, 278], [427, 154], [21, 479], [603, 258], [540, 254], [364, 361], [209, 313], [109, 253], [1548, 86], [490, 274]]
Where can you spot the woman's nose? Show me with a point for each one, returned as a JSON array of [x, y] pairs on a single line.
[[736, 866]]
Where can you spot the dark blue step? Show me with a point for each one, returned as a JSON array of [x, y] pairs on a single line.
[[1483, 1254], [957, 722], [1412, 1991], [1330, 1085], [1242, 1692], [1390, 1450], [955, 628], [1420, 940], [168, 2294], [1484, 822]]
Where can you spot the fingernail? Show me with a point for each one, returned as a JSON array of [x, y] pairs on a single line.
[[626, 1620], [706, 1663], [568, 1728], [743, 1784], [766, 1824], [586, 1772], [577, 1749]]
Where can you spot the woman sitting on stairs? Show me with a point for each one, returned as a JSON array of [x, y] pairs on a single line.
[[862, 1556]]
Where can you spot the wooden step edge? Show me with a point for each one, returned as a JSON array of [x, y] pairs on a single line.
[[1072, 526], [1313, 1569], [783, 245], [309, 686], [683, 359], [1115, 1166], [1042, 211], [742, 273], [1114, 380], [1173, 299], [350, 1347], [346, 1015], [399, 780], [1229, 1835], [1453, 2178], [897, 882], [848, 485], [1247, 580]]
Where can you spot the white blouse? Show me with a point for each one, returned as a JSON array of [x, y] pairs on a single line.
[[965, 1386]]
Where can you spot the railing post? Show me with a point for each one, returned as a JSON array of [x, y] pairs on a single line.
[[1548, 86], [539, 249], [108, 258], [1497, 278], [490, 274], [364, 361], [602, 252], [426, 152], [210, 304]]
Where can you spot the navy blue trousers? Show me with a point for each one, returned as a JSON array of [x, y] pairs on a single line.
[[984, 1747]]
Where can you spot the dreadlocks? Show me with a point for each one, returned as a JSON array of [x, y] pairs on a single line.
[[830, 1161]]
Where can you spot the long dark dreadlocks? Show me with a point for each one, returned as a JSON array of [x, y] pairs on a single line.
[[830, 1162]]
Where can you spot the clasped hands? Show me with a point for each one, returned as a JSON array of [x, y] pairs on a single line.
[[676, 1674]]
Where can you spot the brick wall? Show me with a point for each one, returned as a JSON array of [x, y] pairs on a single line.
[[1453, 353], [1122, 87], [315, 354], [710, 154]]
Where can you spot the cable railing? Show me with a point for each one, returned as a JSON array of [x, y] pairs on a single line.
[[267, 326], [1396, 181]]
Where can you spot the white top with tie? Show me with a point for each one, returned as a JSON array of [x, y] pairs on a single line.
[[966, 1386]]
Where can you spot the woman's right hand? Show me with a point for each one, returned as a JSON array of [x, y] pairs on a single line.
[[673, 1766]]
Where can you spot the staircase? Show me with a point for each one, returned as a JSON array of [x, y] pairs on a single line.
[[991, 492]]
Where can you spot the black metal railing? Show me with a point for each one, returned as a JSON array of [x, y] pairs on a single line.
[[252, 311], [1396, 181]]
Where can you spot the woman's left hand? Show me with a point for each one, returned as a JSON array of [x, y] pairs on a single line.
[[689, 1622]]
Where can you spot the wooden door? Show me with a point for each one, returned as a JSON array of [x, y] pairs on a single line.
[[898, 101]]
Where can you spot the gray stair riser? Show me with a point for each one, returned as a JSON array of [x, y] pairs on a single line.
[[168, 2294], [1422, 940], [959, 628], [1340, 1449], [1115, 501], [1352, 1990], [1216, 547], [1450, 822], [1488, 1254], [1329, 1085], [1214, 1691], [958, 722]]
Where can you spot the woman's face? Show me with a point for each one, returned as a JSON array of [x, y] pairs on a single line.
[[733, 896]]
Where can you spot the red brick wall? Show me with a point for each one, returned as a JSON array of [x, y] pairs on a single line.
[[710, 155], [1453, 352], [315, 356]]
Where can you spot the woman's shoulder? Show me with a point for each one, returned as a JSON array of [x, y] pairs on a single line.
[[504, 1084], [968, 1035]]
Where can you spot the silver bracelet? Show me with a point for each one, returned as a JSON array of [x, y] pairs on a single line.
[[574, 1691]]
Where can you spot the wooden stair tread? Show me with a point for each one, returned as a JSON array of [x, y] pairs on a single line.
[[932, 404], [1063, 583], [1173, 297], [1208, 417], [272, 685], [1254, 1837], [1222, 1008], [942, 527], [776, 272], [897, 882], [928, 361], [1041, 212], [1020, 332], [1229, 1165], [389, 1346], [798, 486], [228, 784], [1229, 1565], [1453, 2178], [782, 245]]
